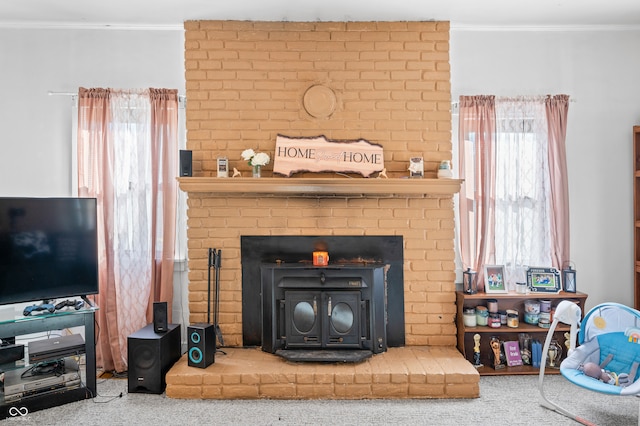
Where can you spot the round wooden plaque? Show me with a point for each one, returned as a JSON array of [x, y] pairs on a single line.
[[319, 101]]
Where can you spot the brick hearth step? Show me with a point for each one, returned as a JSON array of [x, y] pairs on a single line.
[[249, 373]]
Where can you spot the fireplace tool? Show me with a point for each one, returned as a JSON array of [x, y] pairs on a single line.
[[214, 262]]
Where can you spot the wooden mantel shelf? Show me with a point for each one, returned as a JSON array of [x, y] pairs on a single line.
[[320, 186]]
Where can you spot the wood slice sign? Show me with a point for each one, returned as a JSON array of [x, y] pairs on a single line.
[[319, 154]]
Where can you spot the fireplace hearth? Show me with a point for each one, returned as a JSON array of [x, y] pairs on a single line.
[[345, 311]]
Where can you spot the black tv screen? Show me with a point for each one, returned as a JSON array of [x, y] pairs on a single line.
[[48, 249]]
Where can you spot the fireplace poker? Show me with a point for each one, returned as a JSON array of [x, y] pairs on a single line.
[[209, 265], [214, 261], [217, 258]]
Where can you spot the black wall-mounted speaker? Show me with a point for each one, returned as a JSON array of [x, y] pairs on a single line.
[[160, 317], [150, 356], [186, 168], [202, 345]]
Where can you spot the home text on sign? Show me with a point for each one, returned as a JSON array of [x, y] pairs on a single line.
[[318, 154]]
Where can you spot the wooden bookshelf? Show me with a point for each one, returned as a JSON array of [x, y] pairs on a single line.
[[508, 301]]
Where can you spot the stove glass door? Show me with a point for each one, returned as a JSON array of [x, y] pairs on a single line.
[[343, 315], [302, 319]]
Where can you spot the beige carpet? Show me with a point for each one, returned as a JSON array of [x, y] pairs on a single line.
[[506, 400]]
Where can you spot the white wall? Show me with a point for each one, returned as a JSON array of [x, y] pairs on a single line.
[[599, 70], [35, 128]]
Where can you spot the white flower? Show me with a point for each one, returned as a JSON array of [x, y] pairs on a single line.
[[247, 154], [253, 159], [260, 159]]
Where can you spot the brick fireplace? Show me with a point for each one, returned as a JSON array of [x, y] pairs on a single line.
[[221, 211], [245, 84]]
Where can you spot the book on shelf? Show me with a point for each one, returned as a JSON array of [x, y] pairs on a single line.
[[536, 353], [512, 353]]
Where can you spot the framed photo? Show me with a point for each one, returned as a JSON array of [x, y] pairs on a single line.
[[416, 167], [223, 167], [494, 279], [543, 280]]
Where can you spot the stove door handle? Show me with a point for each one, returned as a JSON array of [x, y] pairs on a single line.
[[315, 307], [329, 307]]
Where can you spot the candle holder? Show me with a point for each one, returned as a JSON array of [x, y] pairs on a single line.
[[320, 258], [569, 279], [469, 283]]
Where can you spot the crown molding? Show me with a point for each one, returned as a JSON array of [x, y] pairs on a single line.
[[542, 28], [180, 27], [50, 25]]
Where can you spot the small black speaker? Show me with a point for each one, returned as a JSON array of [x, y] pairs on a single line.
[[202, 345], [150, 356], [186, 168], [160, 320]]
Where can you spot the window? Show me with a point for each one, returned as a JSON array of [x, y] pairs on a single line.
[[522, 227], [511, 157]]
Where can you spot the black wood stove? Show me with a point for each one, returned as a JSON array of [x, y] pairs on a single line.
[[330, 313], [351, 308]]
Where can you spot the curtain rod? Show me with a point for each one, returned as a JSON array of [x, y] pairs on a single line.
[[50, 93], [457, 103]]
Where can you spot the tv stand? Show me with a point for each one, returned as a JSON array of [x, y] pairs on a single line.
[[46, 322]]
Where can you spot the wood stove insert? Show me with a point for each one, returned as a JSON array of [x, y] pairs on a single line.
[[329, 314], [371, 250]]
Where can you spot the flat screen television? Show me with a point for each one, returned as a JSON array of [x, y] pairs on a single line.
[[48, 249]]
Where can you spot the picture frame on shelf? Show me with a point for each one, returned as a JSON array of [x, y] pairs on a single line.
[[494, 281], [543, 280]]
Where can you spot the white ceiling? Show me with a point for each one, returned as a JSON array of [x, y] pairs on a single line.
[[461, 13]]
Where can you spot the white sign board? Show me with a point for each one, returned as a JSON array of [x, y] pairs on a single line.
[[318, 154]]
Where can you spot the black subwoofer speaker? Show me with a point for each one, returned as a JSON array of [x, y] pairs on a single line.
[[186, 168], [150, 357], [202, 345], [160, 317]]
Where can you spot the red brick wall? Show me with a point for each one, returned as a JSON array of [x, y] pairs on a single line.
[[245, 83]]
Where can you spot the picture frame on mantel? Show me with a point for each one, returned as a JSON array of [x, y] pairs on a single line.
[[494, 279]]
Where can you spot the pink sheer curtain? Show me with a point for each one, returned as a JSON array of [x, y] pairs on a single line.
[[127, 144], [164, 149], [557, 110], [477, 131], [477, 200]]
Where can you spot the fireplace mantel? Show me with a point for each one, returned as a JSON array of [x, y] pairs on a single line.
[[320, 186]]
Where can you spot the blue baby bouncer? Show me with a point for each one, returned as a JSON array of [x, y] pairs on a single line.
[[609, 336]]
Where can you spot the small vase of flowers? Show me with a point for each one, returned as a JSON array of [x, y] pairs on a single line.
[[255, 160]]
